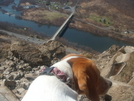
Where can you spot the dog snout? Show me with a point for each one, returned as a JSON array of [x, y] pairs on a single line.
[[110, 84]]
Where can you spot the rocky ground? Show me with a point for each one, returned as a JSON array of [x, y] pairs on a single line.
[[21, 61]]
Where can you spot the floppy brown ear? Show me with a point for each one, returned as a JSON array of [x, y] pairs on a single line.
[[87, 87], [86, 77]]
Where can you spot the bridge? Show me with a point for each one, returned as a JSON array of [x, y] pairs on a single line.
[[63, 26]]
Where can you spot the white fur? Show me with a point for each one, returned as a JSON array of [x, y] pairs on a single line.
[[65, 67], [50, 88]]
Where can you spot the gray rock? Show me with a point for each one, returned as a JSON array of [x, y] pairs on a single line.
[[8, 77], [125, 71], [129, 49], [17, 75], [9, 83], [7, 95], [31, 76], [53, 49], [121, 92], [27, 52], [7, 71], [20, 90], [122, 58], [23, 83]]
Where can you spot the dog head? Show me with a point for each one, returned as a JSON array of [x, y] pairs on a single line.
[[87, 77]]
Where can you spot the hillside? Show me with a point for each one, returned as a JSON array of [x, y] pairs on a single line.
[[21, 61], [117, 14], [125, 6]]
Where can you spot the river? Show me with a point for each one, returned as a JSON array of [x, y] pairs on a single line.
[[72, 35]]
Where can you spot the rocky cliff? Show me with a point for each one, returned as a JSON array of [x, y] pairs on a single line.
[[20, 63]]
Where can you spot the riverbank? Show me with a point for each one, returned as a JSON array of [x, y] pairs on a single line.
[[90, 40], [44, 16], [28, 34]]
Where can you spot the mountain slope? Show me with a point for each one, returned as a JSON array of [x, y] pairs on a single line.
[[119, 14], [125, 6]]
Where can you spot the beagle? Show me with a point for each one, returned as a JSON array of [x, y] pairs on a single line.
[[87, 78], [51, 84]]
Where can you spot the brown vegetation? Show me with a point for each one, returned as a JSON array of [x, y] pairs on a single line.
[[125, 6], [100, 8]]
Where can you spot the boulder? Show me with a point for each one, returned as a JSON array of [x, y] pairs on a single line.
[[121, 92], [120, 67], [9, 83], [125, 70], [129, 49], [54, 50], [106, 59], [28, 52], [38, 55]]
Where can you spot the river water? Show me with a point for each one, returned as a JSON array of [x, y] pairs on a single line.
[[82, 38]]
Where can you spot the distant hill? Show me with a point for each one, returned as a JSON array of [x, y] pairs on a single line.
[[125, 6], [118, 13]]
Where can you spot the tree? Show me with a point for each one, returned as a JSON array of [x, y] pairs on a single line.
[[47, 2], [104, 21]]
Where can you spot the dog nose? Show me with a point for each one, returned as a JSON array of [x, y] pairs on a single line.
[[110, 83]]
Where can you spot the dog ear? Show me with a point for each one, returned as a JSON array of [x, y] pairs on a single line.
[[86, 86]]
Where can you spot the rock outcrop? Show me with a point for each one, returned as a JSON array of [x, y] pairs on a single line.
[[121, 92], [27, 52], [121, 66], [20, 63], [118, 66], [37, 55]]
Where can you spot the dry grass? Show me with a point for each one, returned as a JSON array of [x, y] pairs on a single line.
[[42, 14], [52, 15]]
